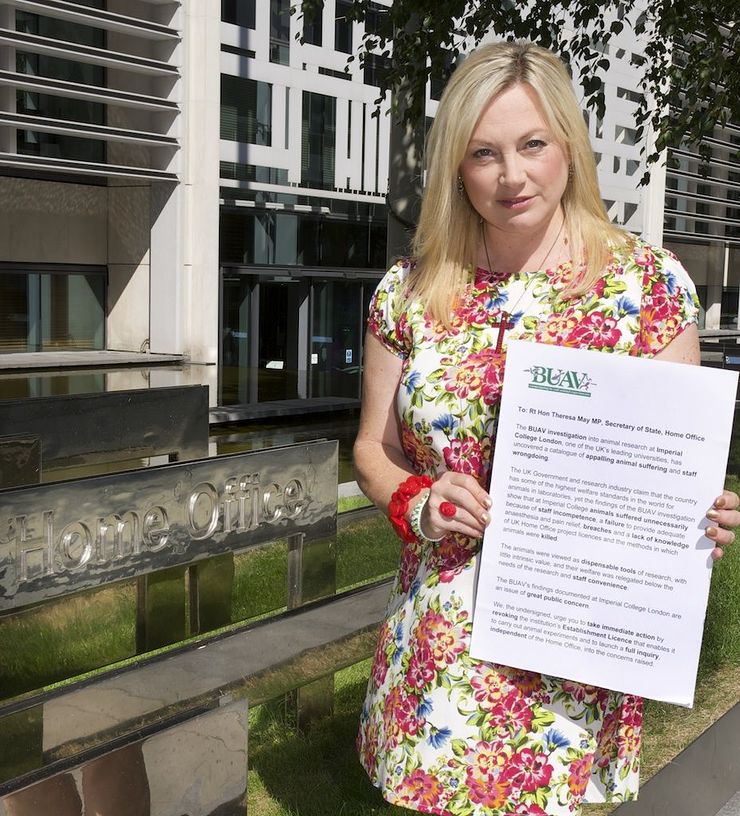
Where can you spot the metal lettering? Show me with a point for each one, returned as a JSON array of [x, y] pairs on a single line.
[[249, 500], [201, 531], [18, 532], [272, 514], [118, 525], [295, 500], [76, 545], [69, 536], [156, 528], [232, 506]]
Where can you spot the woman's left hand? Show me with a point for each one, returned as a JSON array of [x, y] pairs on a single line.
[[723, 514]]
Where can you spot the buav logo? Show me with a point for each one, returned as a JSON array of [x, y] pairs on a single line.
[[545, 378]]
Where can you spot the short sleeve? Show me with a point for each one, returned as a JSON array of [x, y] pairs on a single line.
[[388, 318], [669, 302]]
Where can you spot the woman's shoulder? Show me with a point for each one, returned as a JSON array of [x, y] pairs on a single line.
[[639, 252], [387, 318], [651, 262], [397, 274]]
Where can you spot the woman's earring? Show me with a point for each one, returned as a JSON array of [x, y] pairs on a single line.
[[460, 187], [571, 172]]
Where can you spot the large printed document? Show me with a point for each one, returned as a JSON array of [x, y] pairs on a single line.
[[595, 567]]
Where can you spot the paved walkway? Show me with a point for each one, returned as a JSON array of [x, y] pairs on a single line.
[[703, 780], [732, 808]]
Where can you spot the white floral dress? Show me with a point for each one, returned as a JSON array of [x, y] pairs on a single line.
[[440, 731]]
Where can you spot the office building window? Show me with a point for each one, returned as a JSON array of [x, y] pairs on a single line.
[[265, 237], [46, 310], [375, 68], [343, 27], [238, 12], [312, 25], [246, 110], [280, 31], [253, 172], [318, 140], [46, 106], [375, 18]]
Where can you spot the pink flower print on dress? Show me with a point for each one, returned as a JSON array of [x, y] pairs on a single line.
[[526, 682], [410, 561], [530, 770], [489, 688], [440, 637], [512, 713], [559, 327], [487, 776], [463, 456], [597, 331], [580, 773], [419, 451], [381, 660], [421, 670], [420, 788], [628, 741], [606, 750]]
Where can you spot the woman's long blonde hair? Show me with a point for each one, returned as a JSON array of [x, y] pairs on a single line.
[[447, 238]]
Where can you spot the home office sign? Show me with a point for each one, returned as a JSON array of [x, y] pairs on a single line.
[[68, 536]]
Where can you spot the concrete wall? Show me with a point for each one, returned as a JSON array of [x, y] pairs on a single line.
[[51, 222]]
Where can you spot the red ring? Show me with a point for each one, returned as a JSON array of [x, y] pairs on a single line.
[[447, 509]]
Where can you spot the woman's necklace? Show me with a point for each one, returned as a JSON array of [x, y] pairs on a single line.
[[504, 320]]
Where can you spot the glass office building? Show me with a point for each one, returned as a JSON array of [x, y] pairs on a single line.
[[209, 180], [89, 139], [303, 174]]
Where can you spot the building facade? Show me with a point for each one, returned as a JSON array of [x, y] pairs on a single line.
[[211, 181], [106, 176]]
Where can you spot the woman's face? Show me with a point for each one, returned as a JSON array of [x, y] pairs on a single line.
[[514, 171]]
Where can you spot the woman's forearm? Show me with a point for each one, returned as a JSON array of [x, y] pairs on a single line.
[[379, 470]]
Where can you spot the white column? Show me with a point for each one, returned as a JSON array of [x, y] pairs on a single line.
[[202, 109], [654, 202], [184, 285]]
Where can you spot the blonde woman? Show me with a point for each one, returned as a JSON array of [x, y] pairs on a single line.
[[513, 242]]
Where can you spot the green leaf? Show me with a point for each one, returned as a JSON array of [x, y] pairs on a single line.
[[458, 747]]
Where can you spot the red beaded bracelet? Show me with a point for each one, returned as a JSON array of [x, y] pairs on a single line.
[[399, 504]]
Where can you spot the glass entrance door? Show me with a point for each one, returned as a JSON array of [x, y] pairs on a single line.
[[291, 338], [264, 342], [336, 338], [279, 355]]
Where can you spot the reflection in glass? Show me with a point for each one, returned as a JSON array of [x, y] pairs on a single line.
[[15, 323], [343, 27], [238, 12], [31, 142], [355, 241], [335, 341], [729, 308], [291, 339], [235, 340], [318, 140], [278, 340], [246, 110], [21, 386], [312, 24], [47, 311], [280, 31]]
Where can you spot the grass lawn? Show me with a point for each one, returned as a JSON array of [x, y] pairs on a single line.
[[317, 773]]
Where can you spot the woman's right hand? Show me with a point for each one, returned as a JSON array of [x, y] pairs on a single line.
[[472, 504]]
